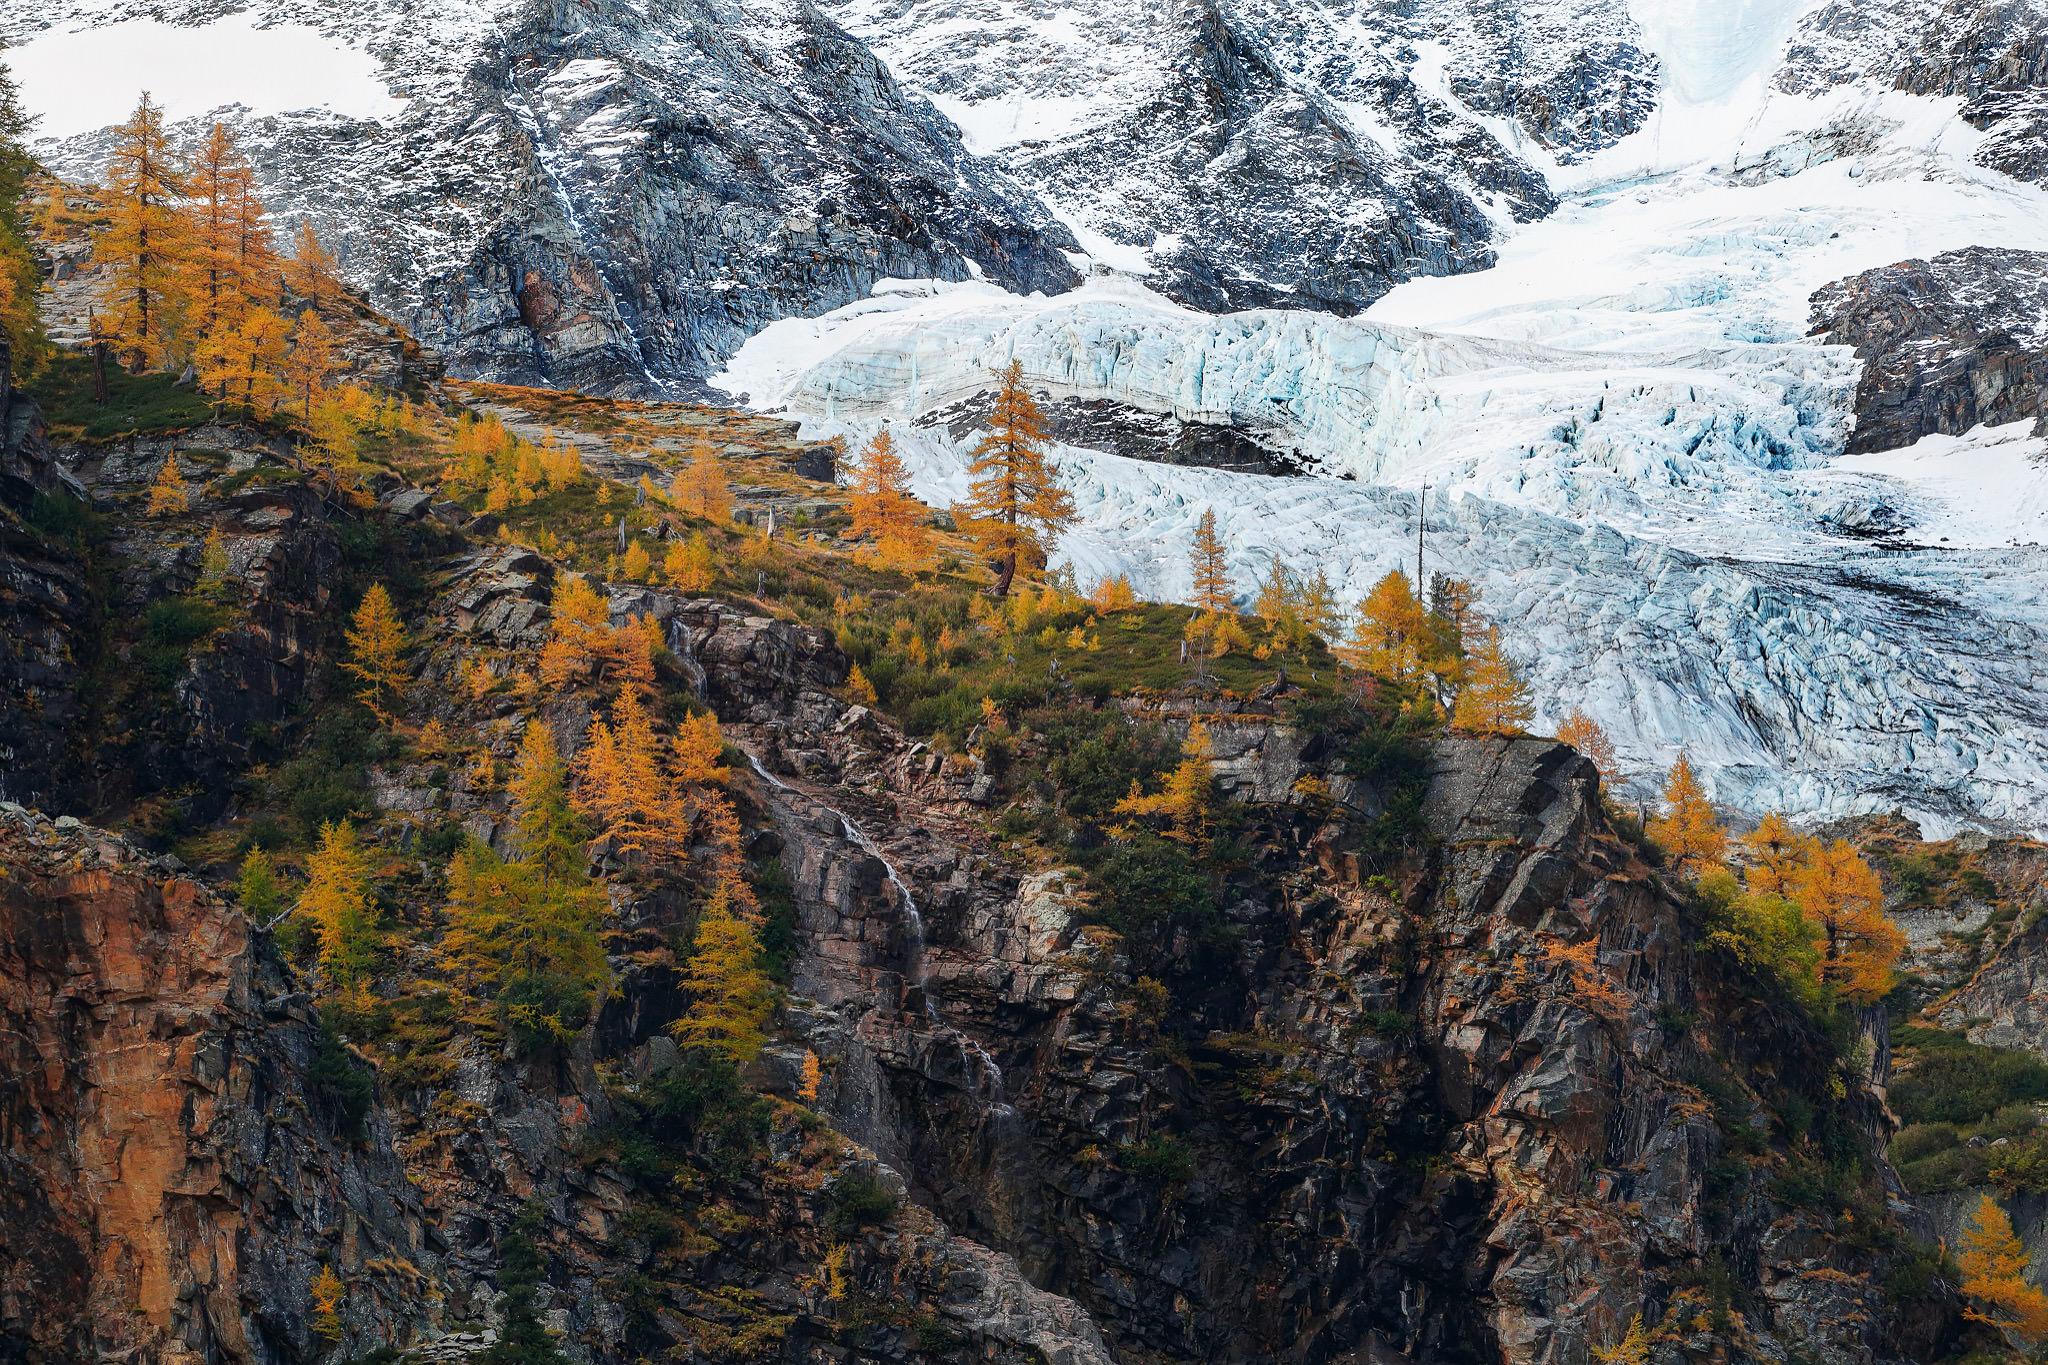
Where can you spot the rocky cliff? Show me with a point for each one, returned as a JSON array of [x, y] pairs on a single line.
[[1946, 343], [1417, 1059], [172, 1178]]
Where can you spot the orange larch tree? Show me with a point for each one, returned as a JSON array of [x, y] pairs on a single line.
[[140, 247], [884, 510], [1690, 832], [1016, 509], [1837, 891]]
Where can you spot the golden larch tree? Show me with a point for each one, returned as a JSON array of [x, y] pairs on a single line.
[[314, 274], [623, 786], [1187, 798], [242, 363], [228, 240], [312, 362], [1387, 637], [1320, 615], [1493, 700], [215, 566], [1209, 566], [167, 489], [1775, 854], [376, 642], [1583, 733], [699, 746], [883, 509], [337, 900], [730, 996], [690, 566], [1113, 594], [1015, 509], [1994, 1267], [1838, 891], [1690, 831], [24, 346], [581, 638], [700, 488], [140, 249]]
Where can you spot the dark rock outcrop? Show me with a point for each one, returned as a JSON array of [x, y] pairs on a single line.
[[1946, 343], [1440, 1116]]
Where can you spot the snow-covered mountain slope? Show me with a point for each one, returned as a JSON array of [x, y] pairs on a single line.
[[613, 196], [1632, 443]]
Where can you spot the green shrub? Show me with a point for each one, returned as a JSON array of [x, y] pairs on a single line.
[[1953, 1168], [169, 630], [1146, 878], [1953, 1080], [344, 1088], [1919, 1141], [859, 1200], [1161, 1157]]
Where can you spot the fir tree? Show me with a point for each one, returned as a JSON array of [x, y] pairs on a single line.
[[1015, 509], [377, 645], [522, 1337], [257, 888]]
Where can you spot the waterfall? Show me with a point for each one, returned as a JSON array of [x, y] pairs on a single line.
[[990, 1080]]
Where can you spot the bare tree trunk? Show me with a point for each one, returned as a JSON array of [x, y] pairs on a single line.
[[99, 373], [1009, 572]]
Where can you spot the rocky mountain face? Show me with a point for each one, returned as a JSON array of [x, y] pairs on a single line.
[[173, 1182], [1946, 343], [1482, 1099], [613, 198]]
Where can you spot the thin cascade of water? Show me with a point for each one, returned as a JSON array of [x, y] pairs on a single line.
[[991, 1077]]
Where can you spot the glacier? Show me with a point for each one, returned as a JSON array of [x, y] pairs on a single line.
[[1627, 438]]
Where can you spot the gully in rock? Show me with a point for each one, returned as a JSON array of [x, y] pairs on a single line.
[[988, 1074]]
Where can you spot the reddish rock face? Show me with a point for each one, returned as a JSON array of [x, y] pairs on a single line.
[[164, 1181]]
